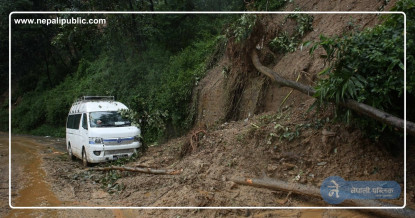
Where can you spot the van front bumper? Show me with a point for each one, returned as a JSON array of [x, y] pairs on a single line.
[[97, 153]]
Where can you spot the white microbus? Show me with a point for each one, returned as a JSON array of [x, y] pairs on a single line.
[[96, 131]]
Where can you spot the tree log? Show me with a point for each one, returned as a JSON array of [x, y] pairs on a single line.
[[314, 192], [139, 170], [361, 108]]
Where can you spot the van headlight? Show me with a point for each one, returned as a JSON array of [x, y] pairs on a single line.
[[95, 140]]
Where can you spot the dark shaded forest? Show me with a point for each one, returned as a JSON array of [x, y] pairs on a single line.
[[150, 62]]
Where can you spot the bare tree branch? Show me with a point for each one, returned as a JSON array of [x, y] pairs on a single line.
[[315, 192]]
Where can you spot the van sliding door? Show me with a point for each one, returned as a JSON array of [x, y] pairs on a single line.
[[83, 131], [76, 144]]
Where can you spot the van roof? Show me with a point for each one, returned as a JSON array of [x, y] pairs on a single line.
[[90, 106]]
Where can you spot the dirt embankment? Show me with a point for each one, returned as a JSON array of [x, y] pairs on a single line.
[[296, 153], [267, 139], [224, 94]]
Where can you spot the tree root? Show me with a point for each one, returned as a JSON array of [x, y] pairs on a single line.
[[194, 138]]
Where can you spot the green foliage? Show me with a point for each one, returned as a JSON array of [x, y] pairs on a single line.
[[29, 114], [304, 23], [163, 91], [368, 67], [152, 123], [4, 118], [122, 161], [162, 106], [48, 130], [285, 42], [408, 7], [242, 28], [285, 133], [272, 118], [109, 181], [266, 5], [150, 63]]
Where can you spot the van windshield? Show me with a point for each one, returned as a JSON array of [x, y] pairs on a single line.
[[107, 119]]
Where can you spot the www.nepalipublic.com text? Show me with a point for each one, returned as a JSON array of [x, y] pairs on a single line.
[[60, 21]]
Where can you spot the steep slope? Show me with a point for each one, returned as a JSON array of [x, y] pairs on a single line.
[[225, 94], [248, 134]]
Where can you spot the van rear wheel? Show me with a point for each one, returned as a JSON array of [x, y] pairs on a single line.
[[71, 156], [84, 158]]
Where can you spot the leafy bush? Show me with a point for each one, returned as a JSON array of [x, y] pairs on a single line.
[[242, 28], [285, 42], [304, 23], [30, 113], [368, 67], [172, 99]]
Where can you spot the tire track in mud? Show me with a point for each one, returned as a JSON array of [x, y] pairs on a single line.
[[33, 191]]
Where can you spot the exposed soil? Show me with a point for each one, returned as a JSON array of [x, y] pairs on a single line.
[[245, 149], [4, 168], [268, 138], [30, 183], [223, 95]]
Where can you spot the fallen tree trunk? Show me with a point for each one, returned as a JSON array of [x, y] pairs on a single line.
[[348, 103], [139, 170], [312, 191]]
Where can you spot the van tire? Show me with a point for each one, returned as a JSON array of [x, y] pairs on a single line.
[[70, 153], [84, 158]]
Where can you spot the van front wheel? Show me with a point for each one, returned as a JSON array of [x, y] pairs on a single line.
[[71, 156], [84, 158]]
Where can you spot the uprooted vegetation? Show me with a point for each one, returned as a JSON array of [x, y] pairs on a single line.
[[242, 124]]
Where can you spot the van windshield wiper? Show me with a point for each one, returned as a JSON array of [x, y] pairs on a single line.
[[107, 125]]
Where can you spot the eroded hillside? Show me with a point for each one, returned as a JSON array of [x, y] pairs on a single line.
[[248, 127], [233, 89]]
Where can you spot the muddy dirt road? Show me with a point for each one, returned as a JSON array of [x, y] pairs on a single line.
[[30, 186], [43, 176]]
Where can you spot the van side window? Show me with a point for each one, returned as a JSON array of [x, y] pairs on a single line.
[[77, 121], [73, 121], [69, 122], [84, 121]]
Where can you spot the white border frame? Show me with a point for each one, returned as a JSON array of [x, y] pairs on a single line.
[[205, 12]]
